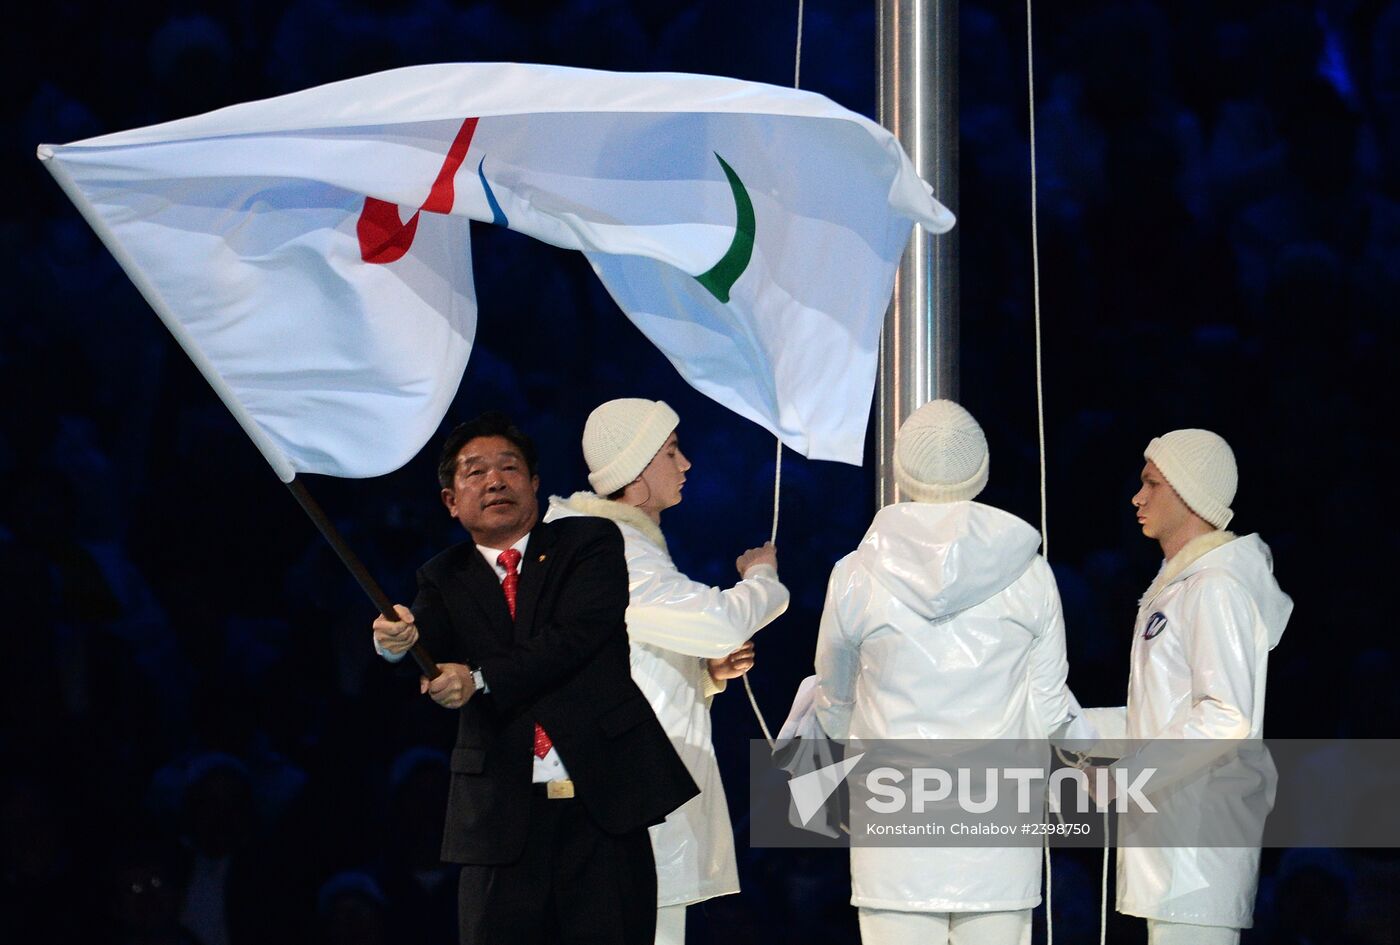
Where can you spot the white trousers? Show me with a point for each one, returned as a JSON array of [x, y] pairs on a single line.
[[1182, 933], [670, 925], [888, 927]]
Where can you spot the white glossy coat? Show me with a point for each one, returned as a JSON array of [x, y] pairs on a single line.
[[1202, 675], [943, 623]]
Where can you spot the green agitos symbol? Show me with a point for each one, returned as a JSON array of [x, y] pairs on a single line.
[[720, 278]]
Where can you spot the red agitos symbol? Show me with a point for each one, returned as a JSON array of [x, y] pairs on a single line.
[[383, 237]]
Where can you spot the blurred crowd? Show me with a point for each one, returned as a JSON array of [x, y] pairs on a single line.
[[198, 745]]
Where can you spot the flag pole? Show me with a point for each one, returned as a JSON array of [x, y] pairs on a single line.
[[917, 48], [357, 569]]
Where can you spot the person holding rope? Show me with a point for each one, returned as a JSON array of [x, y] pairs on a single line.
[[688, 639], [560, 764], [1195, 691], [945, 623]]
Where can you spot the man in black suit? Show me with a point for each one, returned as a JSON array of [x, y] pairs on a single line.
[[560, 764]]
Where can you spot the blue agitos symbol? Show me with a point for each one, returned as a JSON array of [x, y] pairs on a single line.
[[1155, 625]]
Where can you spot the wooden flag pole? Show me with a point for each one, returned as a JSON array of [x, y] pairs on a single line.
[[358, 570]]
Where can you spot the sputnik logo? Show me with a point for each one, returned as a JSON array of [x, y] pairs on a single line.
[[810, 790]]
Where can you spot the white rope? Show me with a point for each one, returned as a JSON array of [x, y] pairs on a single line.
[[797, 66], [758, 714], [1079, 761], [772, 537], [1049, 889], [1103, 885], [777, 484], [1035, 289], [778, 460], [1040, 420], [1045, 847]]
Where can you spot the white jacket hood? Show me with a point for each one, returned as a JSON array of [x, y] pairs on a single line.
[[1246, 560], [944, 623], [941, 558]]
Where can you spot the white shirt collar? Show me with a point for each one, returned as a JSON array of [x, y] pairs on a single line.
[[491, 554]]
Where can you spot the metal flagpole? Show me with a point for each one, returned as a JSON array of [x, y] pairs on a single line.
[[917, 47]]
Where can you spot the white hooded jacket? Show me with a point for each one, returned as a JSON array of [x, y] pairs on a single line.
[[1198, 670], [674, 625], [944, 623]]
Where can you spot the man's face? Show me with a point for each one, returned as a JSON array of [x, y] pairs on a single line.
[[1160, 510], [664, 476], [493, 493]]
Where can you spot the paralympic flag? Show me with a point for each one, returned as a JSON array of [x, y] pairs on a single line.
[[311, 253]]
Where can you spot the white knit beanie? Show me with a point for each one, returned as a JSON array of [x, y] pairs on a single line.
[[621, 437], [940, 454], [1200, 466]]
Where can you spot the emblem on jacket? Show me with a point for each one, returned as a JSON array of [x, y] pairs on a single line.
[[1155, 625]]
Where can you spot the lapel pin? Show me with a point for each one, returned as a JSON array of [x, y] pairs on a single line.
[[542, 557]]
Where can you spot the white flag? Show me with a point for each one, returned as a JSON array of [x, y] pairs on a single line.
[[311, 252]]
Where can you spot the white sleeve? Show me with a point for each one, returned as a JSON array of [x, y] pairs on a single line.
[[837, 661], [669, 611], [801, 721], [1049, 668], [1111, 722], [1220, 647]]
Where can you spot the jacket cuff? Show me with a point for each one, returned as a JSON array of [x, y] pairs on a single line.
[[710, 686], [763, 570]]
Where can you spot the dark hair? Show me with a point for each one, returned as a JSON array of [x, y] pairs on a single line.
[[490, 423]]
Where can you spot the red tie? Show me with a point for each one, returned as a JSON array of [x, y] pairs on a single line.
[[510, 560]]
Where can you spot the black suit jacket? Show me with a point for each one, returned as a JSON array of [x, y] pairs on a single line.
[[562, 662]]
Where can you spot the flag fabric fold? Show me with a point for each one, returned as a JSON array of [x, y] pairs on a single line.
[[312, 252]]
